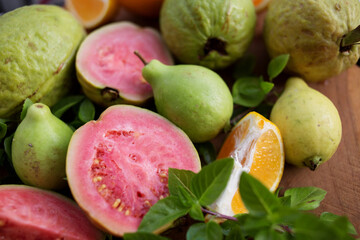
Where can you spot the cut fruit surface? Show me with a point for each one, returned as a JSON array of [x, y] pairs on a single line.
[[117, 167], [256, 145], [92, 13], [260, 4], [31, 213], [109, 71]]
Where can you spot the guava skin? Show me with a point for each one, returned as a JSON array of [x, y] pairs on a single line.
[[309, 124], [193, 97], [311, 32], [39, 148], [38, 45], [209, 33], [29, 213]]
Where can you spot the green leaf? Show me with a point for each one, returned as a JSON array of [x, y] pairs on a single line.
[[244, 67], [285, 201], [196, 212], [277, 65], [143, 236], [266, 86], [210, 182], [7, 146], [204, 231], [3, 130], [86, 111], [26, 105], [235, 233], [305, 198], [247, 91], [163, 213], [331, 218], [179, 177], [65, 104], [206, 152], [256, 197], [269, 234], [186, 197], [308, 226]]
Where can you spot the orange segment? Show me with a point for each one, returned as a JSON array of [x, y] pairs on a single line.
[[92, 13], [260, 4], [256, 145]]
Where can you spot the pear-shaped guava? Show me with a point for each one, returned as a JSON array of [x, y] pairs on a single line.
[[38, 45], [309, 124], [39, 148], [209, 33], [312, 32]]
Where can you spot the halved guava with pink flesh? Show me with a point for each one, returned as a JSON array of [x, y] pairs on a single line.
[[107, 68], [117, 166], [29, 213]]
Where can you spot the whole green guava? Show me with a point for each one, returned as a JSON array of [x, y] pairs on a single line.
[[209, 33], [313, 32], [38, 45]]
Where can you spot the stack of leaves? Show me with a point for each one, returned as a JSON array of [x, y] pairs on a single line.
[[269, 217]]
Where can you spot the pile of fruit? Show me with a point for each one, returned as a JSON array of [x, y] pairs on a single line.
[[161, 100]]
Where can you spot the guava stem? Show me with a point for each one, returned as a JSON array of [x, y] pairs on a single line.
[[312, 162], [140, 57], [350, 39], [219, 215]]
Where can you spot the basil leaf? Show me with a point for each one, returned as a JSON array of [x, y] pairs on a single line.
[[162, 213], [244, 67], [86, 111], [270, 234], [305, 198], [179, 177], [186, 197], [308, 226], [210, 182], [26, 105], [235, 233], [7, 147], [196, 212], [204, 231], [248, 92], [3, 130], [143, 236], [331, 218], [256, 197], [277, 65], [65, 104], [266, 86], [206, 152]]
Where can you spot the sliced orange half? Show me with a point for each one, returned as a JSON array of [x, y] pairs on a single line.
[[260, 4], [92, 13], [256, 145]]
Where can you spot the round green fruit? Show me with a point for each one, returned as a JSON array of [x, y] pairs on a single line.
[[38, 45], [209, 33], [314, 34]]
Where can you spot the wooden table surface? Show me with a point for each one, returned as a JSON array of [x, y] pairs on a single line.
[[340, 176]]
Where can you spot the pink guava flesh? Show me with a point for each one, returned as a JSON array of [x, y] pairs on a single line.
[[29, 213], [106, 58], [117, 167]]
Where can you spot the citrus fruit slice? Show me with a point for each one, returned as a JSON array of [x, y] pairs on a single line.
[[92, 13], [256, 145], [260, 4]]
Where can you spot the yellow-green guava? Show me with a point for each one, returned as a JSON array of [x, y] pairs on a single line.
[[38, 45], [312, 32], [209, 33]]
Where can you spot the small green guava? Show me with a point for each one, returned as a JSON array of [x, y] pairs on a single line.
[[309, 124], [38, 45], [316, 34], [209, 33]]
